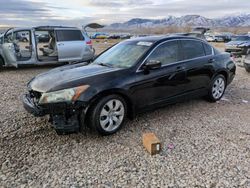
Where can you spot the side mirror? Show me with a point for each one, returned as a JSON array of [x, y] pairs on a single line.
[[152, 64]]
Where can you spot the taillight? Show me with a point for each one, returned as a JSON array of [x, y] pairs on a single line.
[[89, 43]]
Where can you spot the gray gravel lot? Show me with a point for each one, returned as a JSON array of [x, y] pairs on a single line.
[[211, 144]]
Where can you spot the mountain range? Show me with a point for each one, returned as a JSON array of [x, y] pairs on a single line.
[[241, 20]]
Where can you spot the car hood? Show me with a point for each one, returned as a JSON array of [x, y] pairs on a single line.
[[66, 76], [236, 43]]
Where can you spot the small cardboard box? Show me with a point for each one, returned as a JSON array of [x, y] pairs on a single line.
[[151, 143]]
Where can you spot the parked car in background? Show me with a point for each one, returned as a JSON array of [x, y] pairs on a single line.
[[44, 45], [119, 36], [228, 36], [216, 38], [22, 37], [129, 78], [43, 38], [239, 45], [114, 36], [100, 36], [125, 36], [209, 38], [193, 34], [138, 36]]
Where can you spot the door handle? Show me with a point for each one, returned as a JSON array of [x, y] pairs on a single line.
[[60, 44], [211, 60], [180, 68]]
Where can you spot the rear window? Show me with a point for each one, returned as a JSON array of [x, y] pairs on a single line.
[[192, 49], [208, 49], [69, 35]]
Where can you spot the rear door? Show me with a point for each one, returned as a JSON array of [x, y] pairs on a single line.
[[70, 45], [199, 59]]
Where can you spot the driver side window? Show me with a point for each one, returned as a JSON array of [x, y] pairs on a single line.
[[166, 53], [8, 38]]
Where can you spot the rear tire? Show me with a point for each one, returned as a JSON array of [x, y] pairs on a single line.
[[108, 115], [217, 88]]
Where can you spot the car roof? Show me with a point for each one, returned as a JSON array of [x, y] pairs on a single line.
[[54, 27], [162, 38], [42, 28], [242, 36]]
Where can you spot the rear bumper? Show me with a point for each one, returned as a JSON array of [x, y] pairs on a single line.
[[234, 50]]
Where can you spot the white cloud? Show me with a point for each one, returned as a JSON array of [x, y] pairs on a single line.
[[78, 12]]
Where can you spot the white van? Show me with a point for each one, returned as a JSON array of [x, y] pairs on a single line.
[[44, 45]]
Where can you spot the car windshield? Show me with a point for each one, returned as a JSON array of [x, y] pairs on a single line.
[[241, 38], [123, 55]]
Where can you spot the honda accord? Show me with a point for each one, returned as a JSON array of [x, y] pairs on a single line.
[[129, 78]]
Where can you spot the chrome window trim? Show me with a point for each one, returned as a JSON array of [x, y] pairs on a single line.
[[177, 62]]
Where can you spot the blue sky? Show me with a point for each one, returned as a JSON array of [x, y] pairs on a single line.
[[80, 12]]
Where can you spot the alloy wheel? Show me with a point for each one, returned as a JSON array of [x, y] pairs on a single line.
[[112, 115], [218, 88]]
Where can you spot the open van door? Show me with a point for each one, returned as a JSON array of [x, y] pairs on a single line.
[[70, 45], [9, 54], [8, 48]]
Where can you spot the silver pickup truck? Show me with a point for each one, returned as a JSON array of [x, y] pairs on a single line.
[[44, 45]]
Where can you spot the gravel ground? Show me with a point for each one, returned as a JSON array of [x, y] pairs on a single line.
[[211, 144]]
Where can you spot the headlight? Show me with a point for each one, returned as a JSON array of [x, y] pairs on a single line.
[[66, 95]]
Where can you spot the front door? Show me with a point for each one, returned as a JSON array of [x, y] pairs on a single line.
[[17, 47], [9, 54], [23, 45], [9, 49], [70, 45], [163, 84]]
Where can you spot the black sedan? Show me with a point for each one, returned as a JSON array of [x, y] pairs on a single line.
[[129, 78]]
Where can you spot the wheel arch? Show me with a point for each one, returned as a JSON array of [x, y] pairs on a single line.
[[224, 73], [119, 92]]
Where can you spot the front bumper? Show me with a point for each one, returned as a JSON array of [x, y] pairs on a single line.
[[236, 50], [64, 117], [30, 107]]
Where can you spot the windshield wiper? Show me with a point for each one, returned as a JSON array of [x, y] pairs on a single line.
[[105, 64]]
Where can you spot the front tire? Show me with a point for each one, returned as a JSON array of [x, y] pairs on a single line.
[[108, 115], [217, 88]]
